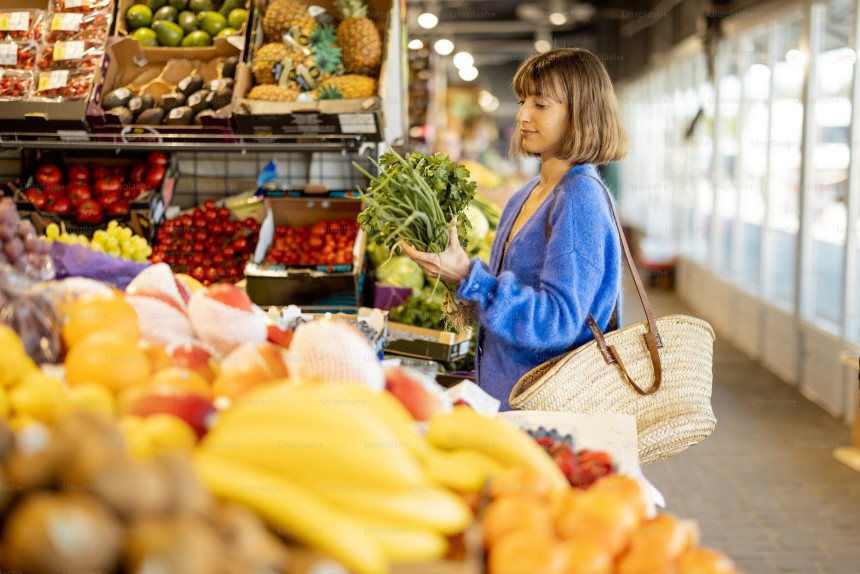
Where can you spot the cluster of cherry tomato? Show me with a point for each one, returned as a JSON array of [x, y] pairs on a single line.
[[81, 7], [323, 243], [206, 244], [25, 56], [33, 31], [94, 26], [90, 59], [77, 86], [15, 84]]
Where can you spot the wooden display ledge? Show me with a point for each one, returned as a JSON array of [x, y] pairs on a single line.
[[850, 455]]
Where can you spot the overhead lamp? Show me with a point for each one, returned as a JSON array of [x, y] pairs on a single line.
[[488, 102], [415, 44], [557, 18], [428, 20], [463, 60], [543, 41], [469, 74], [557, 14], [443, 46]]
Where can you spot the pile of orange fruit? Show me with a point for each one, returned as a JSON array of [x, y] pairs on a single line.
[[529, 529]]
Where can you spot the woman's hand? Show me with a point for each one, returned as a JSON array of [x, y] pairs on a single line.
[[451, 266]]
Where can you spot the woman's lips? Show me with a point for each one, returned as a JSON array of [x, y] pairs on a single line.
[[527, 133]]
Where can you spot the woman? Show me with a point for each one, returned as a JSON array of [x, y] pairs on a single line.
[[556, 255]]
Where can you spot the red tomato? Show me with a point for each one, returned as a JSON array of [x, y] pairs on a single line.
[[155, 176], [212, 274], [79, 191], [319, 228], [108, 185], [108, 198], [79, 173], [224, 213], [90, 211], [98, 170], [209, 205], [38, 197], [60, 206], [240, 244], [155, 158], [138, 173], [49, 175], [315, 242], [228, 252], [217, 228], [119, 208], [120, 172]]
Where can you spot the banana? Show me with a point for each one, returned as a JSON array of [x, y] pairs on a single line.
[[402, 544], [294, 511], [313, 454], [427, 508], [456, 469], [465, 428]]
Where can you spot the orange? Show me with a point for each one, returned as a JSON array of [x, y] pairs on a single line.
[[525, 552], [158, 356], [664, 535], [520, 481], [234, 384], [704, 561], [512, 513], [600, 517], [97, 313], [108, 360], [585, 556], [627, 489], [179, 379], [561, 502]]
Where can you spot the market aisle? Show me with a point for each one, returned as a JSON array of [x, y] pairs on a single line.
[[764, 487]]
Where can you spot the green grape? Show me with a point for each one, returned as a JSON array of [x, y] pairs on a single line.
[[53, 231]]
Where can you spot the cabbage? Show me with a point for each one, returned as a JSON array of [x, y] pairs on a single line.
[[401, 272], [480, 225]]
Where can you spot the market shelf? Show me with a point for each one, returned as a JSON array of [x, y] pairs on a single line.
[[183, 142]]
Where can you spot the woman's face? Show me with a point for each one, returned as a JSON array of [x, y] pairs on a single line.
[[542, 122]]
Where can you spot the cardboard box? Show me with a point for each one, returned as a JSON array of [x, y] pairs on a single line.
[[356, 116], [323, 286], [46, 117], [125, 62], [427, 343]]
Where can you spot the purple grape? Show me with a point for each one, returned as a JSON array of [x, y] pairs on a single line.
[[7, 231], [13, 249], [3, 258], [31, 244], [43, 247], [25, 229]]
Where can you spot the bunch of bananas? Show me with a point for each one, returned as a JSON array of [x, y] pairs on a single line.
[[342, 469]]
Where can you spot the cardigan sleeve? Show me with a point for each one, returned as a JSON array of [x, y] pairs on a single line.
[[580, 274]]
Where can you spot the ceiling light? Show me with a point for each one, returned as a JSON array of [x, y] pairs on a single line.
[[488, 102], [469, 74], [463, 60], [557, 18], [543, 46], [415, 44], [443, 47], [428, 20]]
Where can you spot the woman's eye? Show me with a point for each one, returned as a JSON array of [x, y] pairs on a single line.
[[521, 102]]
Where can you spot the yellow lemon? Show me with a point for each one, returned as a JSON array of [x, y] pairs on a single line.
[[136, 438], [5, 408], [17, 422], [13, 357], [90, 396], [39, 396], [167, 432]]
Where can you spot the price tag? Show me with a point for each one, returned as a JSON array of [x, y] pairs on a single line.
[[15, 21], [77, 3], [8, 54], [69, 50], [53, 80], [67, 22]]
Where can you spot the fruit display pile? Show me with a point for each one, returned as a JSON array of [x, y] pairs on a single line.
[[89, 193], [185, 23], [206, 244], [20, 246], [116, 240], [52, 55], [181, 93], [316, 61], [323, 243], [581, 467]]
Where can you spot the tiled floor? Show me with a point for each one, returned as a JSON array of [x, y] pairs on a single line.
[[764, 487]]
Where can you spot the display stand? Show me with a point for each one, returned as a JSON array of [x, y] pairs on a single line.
[[850, 455]]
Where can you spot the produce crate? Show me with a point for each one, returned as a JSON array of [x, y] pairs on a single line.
[[427, 343], [356, 116], [334, 286], [65, 118], [125, 60]]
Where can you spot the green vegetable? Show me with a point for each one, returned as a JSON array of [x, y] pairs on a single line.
[[401, 272], [415, 199], [490, 210]]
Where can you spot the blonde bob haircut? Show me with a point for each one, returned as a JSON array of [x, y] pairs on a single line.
[[577, 78]]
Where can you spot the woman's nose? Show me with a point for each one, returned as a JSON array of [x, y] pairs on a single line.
[[522, 116]]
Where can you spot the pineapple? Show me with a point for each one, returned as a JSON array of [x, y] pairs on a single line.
[[358, 38], [265, 60], [349, 86], [273, 93], [283, 15]]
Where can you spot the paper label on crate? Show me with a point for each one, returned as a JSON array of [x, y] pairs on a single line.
[[8, 54], [69, 50], [53, 80], [357, 123], [15, 21], [67, 22]]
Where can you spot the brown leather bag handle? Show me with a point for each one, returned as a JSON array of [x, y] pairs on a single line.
[[652, 336]]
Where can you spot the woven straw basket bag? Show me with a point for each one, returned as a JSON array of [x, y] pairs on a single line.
[[660, 371]]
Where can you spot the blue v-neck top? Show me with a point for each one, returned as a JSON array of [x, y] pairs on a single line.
[[532, 304]]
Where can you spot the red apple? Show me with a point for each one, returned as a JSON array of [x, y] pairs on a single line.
[[230, 295], [195, 358], [79, 173], [49, 175], [420, 403], [197, 411]]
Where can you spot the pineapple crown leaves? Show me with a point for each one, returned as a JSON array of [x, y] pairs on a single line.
[[329, 92], [329, 59], [351, 8], [323, 35]]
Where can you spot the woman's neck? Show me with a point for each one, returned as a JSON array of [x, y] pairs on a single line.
[[552, 170]]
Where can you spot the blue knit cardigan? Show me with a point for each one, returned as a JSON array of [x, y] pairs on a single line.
[[533, 304]]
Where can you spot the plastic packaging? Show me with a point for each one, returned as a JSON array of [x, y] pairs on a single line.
[[18, 56], [22, 25], [72, 55], [15, 84], [29, 310], [62, 85], [66, 26], [81, 6]]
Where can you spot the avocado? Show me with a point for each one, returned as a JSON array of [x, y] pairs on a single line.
[[139, 104], [116, 98], [198, 119], [197, 39], [168, 13], [181, 116], [198, 6], [124, 114], [156, 4], [151, 117], [168, 33], [219, 98], [180, 5], [170, 101], [219, 83], [230, 5], [190, 84], [197, 100], [228, 70], [188, 21]]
